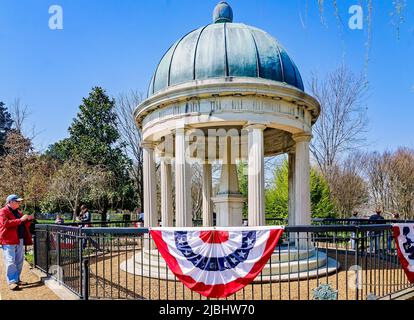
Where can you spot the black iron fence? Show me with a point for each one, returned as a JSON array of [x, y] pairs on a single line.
[[357, 262], [269, 221], [355, 221]]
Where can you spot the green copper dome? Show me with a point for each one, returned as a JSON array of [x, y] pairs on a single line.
[[225, 49]]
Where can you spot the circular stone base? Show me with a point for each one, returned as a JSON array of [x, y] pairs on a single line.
[[284, 265]]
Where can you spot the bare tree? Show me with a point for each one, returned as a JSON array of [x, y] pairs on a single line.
[[377, 173], [343, 122], [70, 185], [348, 187], [100, 192], [40, 173], [19, 113], [391, 180], [131, 136], [401, 172]]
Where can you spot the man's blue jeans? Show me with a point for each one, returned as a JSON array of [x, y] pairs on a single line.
[[13, 256]]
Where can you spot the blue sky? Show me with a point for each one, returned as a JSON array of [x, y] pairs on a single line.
[[118, 43]]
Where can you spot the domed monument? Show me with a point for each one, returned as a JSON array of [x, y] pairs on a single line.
[[224, 93]]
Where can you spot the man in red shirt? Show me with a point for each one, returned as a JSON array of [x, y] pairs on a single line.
[[14, 235]]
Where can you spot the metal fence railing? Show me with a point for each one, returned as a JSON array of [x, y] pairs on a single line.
[[58, 252], [355, 221], [356, 261], [269, 222]]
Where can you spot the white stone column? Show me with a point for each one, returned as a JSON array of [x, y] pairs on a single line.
[[302, 180], [256, 182], [291, 188], [302, 204], [207, 193], [167, 215], [183, 201], [229, 201], [150, 192]]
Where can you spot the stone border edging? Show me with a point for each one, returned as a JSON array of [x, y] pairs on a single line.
[[62, 292]]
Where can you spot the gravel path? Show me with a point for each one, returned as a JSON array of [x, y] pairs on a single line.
[[107, 280], [35, 290]]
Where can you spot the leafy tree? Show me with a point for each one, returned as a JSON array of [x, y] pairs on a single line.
[[95, 140], [40, 174], [15, 164], [322, 205], [131, 136], [60, 151], [278, 196], [243, 184], [6, 123], [23, 171], [94, 134]]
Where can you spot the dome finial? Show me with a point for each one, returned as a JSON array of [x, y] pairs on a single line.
[[222, 13]]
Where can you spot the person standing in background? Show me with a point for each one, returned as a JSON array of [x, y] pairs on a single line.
[[86, 220], [390, 247], [59, 219], [85, 216], [375, 236]]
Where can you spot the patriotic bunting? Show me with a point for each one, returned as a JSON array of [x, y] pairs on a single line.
[[404, 239], [216, 262]]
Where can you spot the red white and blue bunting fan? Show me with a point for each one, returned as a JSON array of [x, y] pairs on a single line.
[[404, 239], [216, 262]]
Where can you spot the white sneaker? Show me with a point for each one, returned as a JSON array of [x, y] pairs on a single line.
[[13, 286]]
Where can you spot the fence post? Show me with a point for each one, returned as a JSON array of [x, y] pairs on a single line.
[[80, 254], [34, 239], [47, 249], [58, 253], [357, 252], [85, 281]]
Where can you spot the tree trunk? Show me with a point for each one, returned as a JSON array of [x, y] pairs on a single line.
[[104, 213], [75, 210]]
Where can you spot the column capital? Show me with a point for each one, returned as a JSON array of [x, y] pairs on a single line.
[[251, 126], [302, 137], [148, 145], [185, 128]]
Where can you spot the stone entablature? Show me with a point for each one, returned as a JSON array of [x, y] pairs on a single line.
[[236, 100]]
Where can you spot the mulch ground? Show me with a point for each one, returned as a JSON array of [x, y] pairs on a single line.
[[35, 290]]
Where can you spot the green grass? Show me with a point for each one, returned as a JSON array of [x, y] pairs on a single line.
[[29, 258], [46, 221], [114, 218]]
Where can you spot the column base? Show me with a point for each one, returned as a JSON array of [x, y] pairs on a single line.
[[229, 210]]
